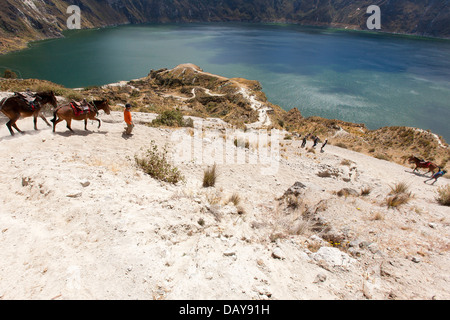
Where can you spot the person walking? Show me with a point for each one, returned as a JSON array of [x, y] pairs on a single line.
[[436, 176], [316, 141], [323, 145], [304, 142], [128, 119]]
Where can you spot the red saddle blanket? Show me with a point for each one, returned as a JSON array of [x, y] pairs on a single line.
[[79, 111]]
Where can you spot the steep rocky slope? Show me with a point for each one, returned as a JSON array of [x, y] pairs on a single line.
[[23, 21]]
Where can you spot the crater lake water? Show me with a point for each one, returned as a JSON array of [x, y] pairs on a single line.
[[376, 79]]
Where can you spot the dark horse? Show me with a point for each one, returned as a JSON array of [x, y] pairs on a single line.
[[17, 106], [67, 112], [423, 164]]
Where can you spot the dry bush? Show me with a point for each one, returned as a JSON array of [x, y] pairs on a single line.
[[210, 177], [444, 195], [235, 199], [341, 145], [156, 164], [399, 195], [292, 202], [399, 188], [377, 216]]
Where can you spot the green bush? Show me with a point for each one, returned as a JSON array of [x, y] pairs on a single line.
[[172, 118], [156, 164], [8, 74]]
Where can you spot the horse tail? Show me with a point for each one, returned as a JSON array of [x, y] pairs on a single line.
[[2, 103], [54, 115]]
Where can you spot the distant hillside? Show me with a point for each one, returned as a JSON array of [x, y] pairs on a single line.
[[23, 21]]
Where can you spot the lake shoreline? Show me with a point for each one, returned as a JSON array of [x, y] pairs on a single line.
[[344, 78]]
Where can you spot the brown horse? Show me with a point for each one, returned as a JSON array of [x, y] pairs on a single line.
[[66, 112], [16, 106], [423, 164]]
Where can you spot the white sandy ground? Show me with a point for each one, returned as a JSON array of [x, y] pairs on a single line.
[[78, 220]]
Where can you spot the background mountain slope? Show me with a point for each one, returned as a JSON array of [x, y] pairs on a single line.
[[25, 20]]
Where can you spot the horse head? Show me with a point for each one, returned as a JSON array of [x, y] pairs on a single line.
[[413, 159], [103, 105], [47, 97]]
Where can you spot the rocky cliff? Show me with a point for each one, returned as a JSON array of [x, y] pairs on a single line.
[[23, 21]]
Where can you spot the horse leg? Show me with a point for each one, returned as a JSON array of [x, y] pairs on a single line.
[[69, 122], [85, 124], [12, 122], [8, 124], [99, 121], [45, 119], [35, 121], [55, 123], [15, 127]]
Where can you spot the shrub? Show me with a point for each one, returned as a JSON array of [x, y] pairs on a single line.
[[399, 195], [9, 74], [235, 199], [210, 177], [292, 202], [444, 195], [397, 200], [382, 156], [399, 188], [172, 118], [156, 164]]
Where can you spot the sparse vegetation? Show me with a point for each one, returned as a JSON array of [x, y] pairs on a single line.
[[172, 118], [399, 195], [156, 164], [235, 199], [399, 188], [210, 177], [341, 145], [8, 74], [292, 202], [444, 195]]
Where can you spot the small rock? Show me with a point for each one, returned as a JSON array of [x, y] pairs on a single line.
[[25, 181], [278, 254], [229, 253], [74, 194], [321, 277], [416, 260], [332, 257], [85, 183], [432, 225]]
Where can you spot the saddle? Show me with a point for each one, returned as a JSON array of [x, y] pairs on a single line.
[[29, 98], [80, 108], [425, 163]]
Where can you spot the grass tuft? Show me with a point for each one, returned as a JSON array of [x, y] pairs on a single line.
[[210, 177]]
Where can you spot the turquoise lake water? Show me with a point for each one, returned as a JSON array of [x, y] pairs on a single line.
[[376, 79]]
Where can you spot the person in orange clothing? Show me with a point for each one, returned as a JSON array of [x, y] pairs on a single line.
[[128, 119]]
